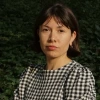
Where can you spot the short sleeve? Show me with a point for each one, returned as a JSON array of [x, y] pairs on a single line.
[[20, 91], [80, 85]]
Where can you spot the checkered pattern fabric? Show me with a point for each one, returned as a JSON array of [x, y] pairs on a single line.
[[70, 82]]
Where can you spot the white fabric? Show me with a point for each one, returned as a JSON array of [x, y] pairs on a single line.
[[70, 82]]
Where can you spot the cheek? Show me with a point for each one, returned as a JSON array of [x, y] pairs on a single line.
[[42, 45], [42, 36], [65, 39], [42, 41]]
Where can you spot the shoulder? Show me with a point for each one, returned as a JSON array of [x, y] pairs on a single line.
[[30, 70], [81, 69], [80, 83], [80, 72]]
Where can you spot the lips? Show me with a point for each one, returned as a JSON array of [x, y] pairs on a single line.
[[51, 47]]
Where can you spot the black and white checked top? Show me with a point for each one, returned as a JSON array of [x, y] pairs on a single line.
[[70, 82]]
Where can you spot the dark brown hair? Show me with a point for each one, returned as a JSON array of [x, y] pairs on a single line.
[[66, 17]]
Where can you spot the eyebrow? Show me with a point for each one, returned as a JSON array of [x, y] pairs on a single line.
[[60, 26], [45, 26]]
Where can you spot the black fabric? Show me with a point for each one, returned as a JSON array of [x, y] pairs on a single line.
[[70, 82]]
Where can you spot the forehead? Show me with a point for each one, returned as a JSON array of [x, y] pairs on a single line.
[[57, 20]]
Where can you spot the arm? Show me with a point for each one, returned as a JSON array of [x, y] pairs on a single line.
[[80, 85], [20, 91]]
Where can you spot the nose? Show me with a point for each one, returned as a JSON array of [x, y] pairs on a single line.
[[52, 37]]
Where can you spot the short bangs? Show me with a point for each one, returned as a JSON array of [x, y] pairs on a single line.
[[61, 14]]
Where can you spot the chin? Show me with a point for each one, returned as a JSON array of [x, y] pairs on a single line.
[[51, 55]]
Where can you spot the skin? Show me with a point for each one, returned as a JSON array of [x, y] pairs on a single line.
[[55, 39]]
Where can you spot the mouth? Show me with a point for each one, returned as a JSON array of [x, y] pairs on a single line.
[[51, 48]]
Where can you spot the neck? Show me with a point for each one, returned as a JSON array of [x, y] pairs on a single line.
[[55, 63]]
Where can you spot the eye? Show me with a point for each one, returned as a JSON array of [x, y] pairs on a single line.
[[61, 31], [45, 29]]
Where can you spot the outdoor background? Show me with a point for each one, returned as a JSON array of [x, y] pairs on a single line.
[[17, 19]]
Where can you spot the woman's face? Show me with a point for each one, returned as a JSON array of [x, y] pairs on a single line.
[[55, 38]]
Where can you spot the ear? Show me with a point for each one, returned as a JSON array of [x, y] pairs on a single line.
[[73, 36]]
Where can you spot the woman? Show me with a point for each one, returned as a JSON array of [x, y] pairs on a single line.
[[61, 78]]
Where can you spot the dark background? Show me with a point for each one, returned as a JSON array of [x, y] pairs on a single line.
[[17, 19]]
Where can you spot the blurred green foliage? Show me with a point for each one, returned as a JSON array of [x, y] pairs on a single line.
[[17, 19]]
